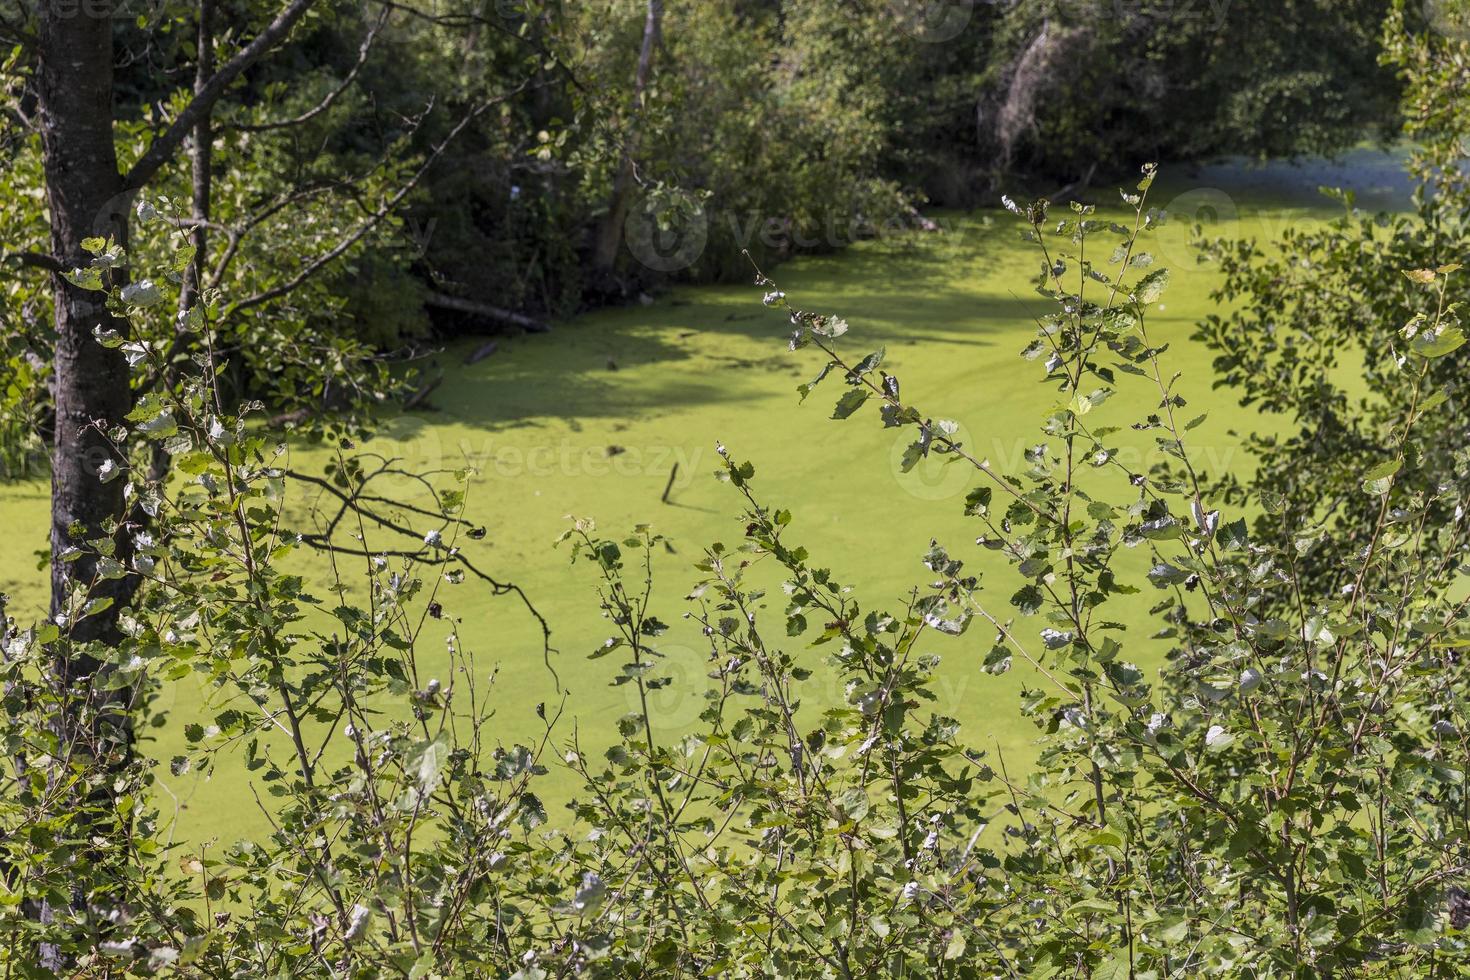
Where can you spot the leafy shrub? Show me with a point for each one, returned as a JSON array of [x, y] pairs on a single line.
[[1286, 797], [1289, 798], [1316, 332]]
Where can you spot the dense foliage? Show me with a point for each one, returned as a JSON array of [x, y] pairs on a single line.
[[1316, 334], [1171, 80], [1286, 797]]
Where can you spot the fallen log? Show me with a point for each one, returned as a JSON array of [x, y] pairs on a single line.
[[419, 397], [288, 418], [480, 353], [475, 308]]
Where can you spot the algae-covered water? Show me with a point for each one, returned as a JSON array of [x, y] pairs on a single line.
[[592, 420]]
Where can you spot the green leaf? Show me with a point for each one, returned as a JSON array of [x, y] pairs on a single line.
[[85, 278], [1151, 287], [1164, 575], [430, 764], [182, 258], [1217, 739], [808, 387], [1379, 479], [849, 403], [532, 812], [1438, 343], [997, 661], [854, 804], [1433, 401], [831, 326], [1082, 404], [870, 363], [1028, 600]]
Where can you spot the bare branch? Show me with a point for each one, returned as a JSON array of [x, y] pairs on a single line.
[[357, 502], [236, 236], [367, 225], [336, 93], [203, 102], [35, 260]]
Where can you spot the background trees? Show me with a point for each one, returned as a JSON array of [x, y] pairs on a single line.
[[1315, 334]]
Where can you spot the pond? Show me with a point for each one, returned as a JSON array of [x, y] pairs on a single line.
[[600, 417]]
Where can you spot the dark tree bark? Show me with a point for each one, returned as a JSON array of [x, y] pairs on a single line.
[[85, 193], [89, 197], [201, 159], [610, 231]]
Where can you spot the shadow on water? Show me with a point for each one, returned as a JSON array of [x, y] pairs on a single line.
[[680, 352], [962, 286]]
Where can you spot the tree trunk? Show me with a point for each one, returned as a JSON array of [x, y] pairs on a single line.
[[610, 232], [84, 191], [201, 159], [201, 180], [89, 198]]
